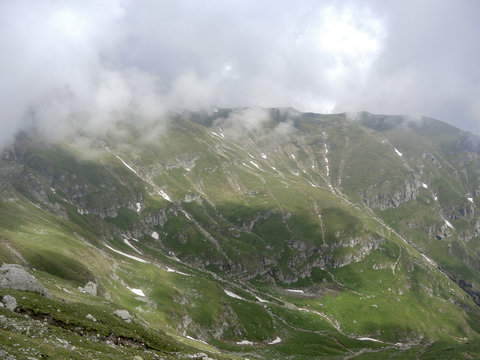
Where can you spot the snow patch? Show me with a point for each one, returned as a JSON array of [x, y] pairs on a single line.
[[254, 164], [191, 338], [296, 291], [435, 198], [398, 152], [186, 215], [231, 294], [244, 342], [214, 133], [138, 292], [128, 166], [470, 199], [139, 207], [175, 271], [273, 167], [425, 185], [369, 339], [164, 195], [428, 259], [129, 244], [260, 299], [276, 341], [155, 235], [263, 155], [293, 156], [448, 224], [253, 157], [126, 255]]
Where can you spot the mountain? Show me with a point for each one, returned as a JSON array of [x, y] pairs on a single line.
[[245, 233]]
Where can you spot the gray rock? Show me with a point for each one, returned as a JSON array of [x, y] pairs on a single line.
[[124, 315], [10, 302], [89, 288], [90, 317], [16, 277], [202, 356]]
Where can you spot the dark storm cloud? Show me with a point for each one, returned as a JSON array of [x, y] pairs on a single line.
[[69, 64]]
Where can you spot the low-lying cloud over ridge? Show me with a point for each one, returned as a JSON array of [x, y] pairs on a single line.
[[69, 64]]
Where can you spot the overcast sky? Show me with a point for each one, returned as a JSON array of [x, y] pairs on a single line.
[[85, 63]]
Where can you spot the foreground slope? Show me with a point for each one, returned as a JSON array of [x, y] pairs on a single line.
[[258, 233]]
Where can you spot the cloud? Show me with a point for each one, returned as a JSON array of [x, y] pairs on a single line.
[[84, 65]]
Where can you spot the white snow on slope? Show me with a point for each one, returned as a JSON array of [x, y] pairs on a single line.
[[231, 294], [260, 299], [398, 152], [254, 164], [263, 155], [244, 342], [214, 133], [448, 224], [293, 156], [425, 185], [164, 195], [155, 235], [369, 339], [253, 157], [295, 291], [436, 198], [187, 215], [191, 338], [175, 271], [139, 207], [276, 341], [470, 199], [428, 259], [128, 166], [126, 255], [138, 292], [129, 244]]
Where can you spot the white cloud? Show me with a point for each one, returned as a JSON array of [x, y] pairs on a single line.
[[86, 64]]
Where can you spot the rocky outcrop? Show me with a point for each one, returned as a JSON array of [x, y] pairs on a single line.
[[9, 302], [89, 288], [388, 200], [124, 315], [15, 277]]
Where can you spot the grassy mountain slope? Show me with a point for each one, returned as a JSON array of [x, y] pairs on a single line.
[[266, 234]]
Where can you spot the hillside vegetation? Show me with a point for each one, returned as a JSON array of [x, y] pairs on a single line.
[[246, 233]]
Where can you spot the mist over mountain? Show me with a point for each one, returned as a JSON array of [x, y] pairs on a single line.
[[239, 180], [83, 66]]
